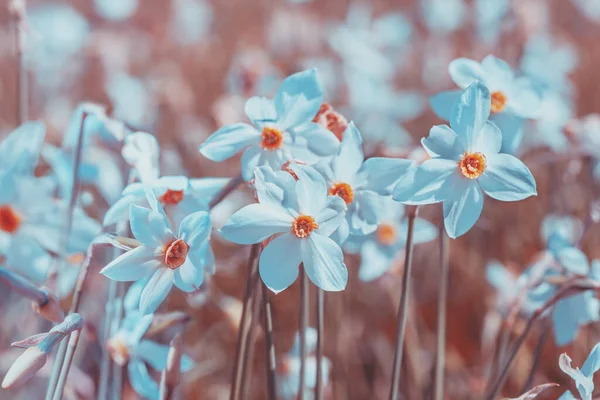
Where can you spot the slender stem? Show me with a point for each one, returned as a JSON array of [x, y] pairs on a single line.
[[18, 16], [60, 386], [249, 354], [227, 189], [105, 361], [269, 345], [117, 370], [320, 340], [169, 381], [60, 356], [302, 334], [403, 306], [441, 316], [238, 369], [537, 355], [567, 290], [22, 286]]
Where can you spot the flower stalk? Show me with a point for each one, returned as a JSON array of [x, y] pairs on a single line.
[[441, 316], [403, 306]]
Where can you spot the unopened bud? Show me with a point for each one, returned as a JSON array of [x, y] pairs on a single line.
[[30, 362]]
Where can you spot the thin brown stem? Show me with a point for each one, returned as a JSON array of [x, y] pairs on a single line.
[[73, 196], [320, 340], [244, 329], [537, 355], [249, 354], [302, 333], [403, 306], [170, 378], [62, 379], [23, 287], [226, 191], [568, 290], [269, 344], [441, 316]]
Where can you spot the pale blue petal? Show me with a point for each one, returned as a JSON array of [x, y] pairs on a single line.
[[350, 156], [132, 265], [497, 72], [340, 235], [195, 229], [443, 103], [324, 263], [424, 231], [512, 131], [443, 142], [470, 113], [525, 101], [331, 216], [273, 187], [298, 99], [132, 298], [181, 284], [567, 396], [364, 213], [156, 290], [260, 110], [374, 262], [205, 189], [462, 211], [149, 227], [141, 381], [464, 72], [228, 140], [500, 278], [319, 139], [428, 183], [311, 190], [380, 175], [506, 178], [574, 260], [119, 211], [592, 363], [191, 271], [256, 222], [140, 327], [20, 150], [251, 159], [279, 261], [155, 354], [489, 140]]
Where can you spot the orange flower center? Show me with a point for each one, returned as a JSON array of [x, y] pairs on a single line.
[[498, 102], [118, 351], [472, 165], [343, 190], [176, 253], [386, 234], [272, 138], [171, 197], [10, 220], [304, 225]]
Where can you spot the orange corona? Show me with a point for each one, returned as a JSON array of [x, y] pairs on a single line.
[[343, 190], [172, 197], [498, 102], [472, 165], [176, 253], [304, 225], [10, 220], [386, 234], [272, 138]]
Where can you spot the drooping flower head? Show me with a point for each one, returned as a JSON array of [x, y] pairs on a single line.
[[465, 162], [283, 129], [168, 258], [300, 216], [512, 99]]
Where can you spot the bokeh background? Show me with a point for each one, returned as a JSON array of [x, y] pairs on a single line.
[[180, 69]]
